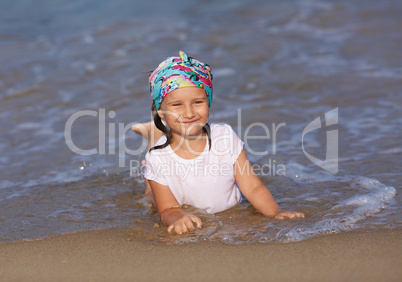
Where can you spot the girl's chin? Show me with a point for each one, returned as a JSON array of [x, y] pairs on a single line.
[[191, 130]]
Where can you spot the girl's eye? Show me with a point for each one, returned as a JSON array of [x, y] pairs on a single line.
[[176, 105], [198, 102]]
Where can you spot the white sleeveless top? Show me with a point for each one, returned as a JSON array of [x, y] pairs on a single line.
[[206, 182]]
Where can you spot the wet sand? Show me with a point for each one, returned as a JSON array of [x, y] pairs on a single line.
[[108, 255]]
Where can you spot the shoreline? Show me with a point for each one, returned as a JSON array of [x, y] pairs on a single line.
[[105, 255]]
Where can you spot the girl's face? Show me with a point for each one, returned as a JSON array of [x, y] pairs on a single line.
[[185, 110]]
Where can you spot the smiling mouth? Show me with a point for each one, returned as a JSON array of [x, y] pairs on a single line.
[[189, 122]]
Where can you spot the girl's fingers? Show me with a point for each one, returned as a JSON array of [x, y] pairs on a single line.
[[280, 217], [177, 229], [185, 224], [296, 215], [197, 221], [182, 227], [189, 224], [289, 215]]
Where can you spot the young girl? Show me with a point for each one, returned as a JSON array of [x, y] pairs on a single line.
[[193, 162]]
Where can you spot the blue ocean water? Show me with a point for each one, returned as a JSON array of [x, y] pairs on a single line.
[[274, 62]]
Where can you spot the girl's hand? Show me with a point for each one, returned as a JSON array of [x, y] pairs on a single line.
[[282, 215], [185, 224]]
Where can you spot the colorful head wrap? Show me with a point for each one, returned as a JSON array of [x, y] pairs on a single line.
[[177, 72]]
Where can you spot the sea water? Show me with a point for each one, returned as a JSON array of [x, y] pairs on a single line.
[[73, 76]]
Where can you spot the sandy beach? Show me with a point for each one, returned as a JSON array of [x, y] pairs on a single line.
[[107, 255]]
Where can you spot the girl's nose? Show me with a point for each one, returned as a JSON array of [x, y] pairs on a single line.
[[189, 112]]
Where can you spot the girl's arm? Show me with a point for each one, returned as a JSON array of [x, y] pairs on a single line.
[[170, 211], [256, 192]]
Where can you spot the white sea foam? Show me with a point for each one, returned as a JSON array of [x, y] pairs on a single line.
[[370, 198]]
